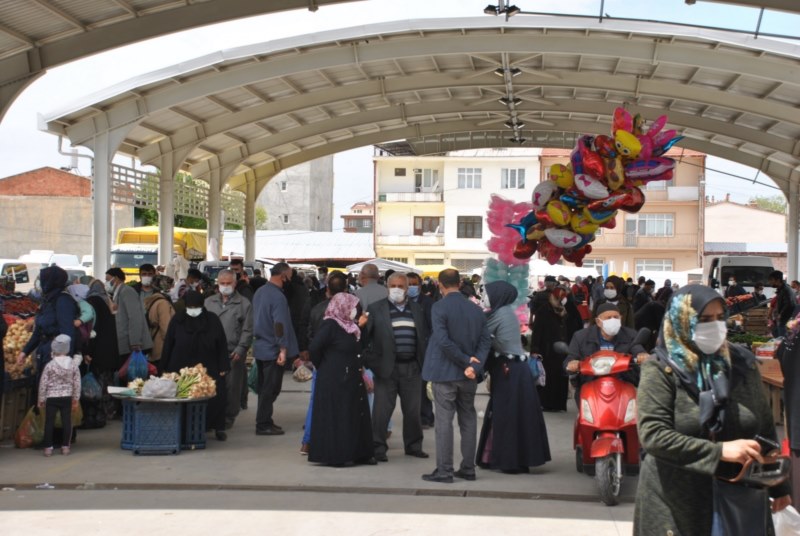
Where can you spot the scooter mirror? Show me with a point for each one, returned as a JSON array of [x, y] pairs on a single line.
[[561, 348]]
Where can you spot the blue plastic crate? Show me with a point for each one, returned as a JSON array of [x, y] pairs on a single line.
[[194, 425], [151, 427]]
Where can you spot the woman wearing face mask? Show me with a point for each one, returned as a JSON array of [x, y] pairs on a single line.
[[551, 325], [612, 293], [341, 428], [197, 336], [514, 435], [687, 449]]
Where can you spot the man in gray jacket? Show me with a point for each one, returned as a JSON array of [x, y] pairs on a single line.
[[457, 351], [132, 331], [396, 336], [235, 313]]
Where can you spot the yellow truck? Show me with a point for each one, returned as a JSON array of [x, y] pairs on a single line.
[[139, 245]]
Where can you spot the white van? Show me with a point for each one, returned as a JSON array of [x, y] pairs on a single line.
[[747, 270]]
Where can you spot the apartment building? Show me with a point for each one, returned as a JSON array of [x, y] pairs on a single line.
[[431, 210], [668, 232], [360, 218], [301, 197]]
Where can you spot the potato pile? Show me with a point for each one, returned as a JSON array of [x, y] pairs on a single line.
[[18, 335]]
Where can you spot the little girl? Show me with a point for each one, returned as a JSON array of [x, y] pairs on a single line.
[[59, 390]]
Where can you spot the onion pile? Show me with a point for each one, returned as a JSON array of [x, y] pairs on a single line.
[[17, 337]]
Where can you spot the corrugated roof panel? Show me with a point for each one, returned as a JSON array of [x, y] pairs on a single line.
[[92, 12], [33, 20]]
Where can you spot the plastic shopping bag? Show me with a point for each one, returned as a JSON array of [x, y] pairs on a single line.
[[90, 387], [31, 430], [787, 522], [252, 378], [76, 416], [135, 366]]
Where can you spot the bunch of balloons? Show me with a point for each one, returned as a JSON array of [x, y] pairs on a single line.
[[507, 267], [604, 175]]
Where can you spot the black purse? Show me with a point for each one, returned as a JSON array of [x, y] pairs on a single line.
[[739, 509]]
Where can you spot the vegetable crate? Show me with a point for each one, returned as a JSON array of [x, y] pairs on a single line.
[[151, 427], [194, 425], [16, 402]]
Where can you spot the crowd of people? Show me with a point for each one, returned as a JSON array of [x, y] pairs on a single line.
[[371, 340]]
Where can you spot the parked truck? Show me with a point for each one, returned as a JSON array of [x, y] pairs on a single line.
[[139, 245], [746, 270]]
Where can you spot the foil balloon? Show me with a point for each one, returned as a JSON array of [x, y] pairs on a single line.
[[604, 146], [562, 175], [536, 232], [599, 217], [572, 201], [543, 193], [592, 162], [549, 252], [615, 173], [583, 225], [590, 187], [563, 238], [644, 169], [628, 146], [622, 120], [559, 213], [525, 249]]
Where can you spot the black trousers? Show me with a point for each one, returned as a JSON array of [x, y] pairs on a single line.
[[426, 406], [406, 382], [61, 404], [270, 381]]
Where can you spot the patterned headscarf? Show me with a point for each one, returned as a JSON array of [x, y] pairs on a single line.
[[677, 335], [339, 310]]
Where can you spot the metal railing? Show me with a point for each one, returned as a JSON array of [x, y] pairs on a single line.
[[628, 240], [410, 197], [413, 240]]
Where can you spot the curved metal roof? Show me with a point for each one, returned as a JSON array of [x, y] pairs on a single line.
[[247, 113], [36, 35]]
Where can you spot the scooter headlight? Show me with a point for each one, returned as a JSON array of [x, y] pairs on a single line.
[[602, 365], [630, 411], [586, 411]]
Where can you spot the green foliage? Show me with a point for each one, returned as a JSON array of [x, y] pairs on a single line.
[[261, 218], [774, 203]]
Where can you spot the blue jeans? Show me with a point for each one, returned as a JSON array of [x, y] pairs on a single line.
[[307, 427]]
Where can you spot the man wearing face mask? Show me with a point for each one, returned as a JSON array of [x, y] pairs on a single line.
[[415, 294], [395, 340], [235, 313], [275, 342], [158, 311], [612, 293], [607, 333], [132, 331]]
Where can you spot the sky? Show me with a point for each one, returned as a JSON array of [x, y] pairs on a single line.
[[23, 147]]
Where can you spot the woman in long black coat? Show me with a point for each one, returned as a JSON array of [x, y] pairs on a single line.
[[341, 429], [195, 336], [553, 324], [789, 356], [102, 356], [514, 435]]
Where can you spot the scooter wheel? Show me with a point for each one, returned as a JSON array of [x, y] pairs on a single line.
[[579, 459], [608, 482]]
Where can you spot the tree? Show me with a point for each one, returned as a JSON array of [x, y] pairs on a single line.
[[261, 218], [774, 203]]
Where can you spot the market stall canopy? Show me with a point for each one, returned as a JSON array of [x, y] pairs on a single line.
[[541, 268], [432, 270], [304, 246], [384, 265]]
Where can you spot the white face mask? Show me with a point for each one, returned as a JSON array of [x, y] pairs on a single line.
[[225, 290], [110, 286], [194, 285], [194, 311], [563, 301], [709, 336], [353, 314], [147, 280], [610, 293], [611, 326], [397, 295]]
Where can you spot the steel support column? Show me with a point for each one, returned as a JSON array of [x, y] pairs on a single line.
[[215, 223], [792, 231], [166, 211], [104, 146], [250, 220]]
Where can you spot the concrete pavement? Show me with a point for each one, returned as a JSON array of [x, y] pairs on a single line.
[[263, 481]]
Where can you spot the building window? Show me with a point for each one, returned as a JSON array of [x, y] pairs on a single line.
[[469, 178], [367, 224], [653, 265], [399, 172], [404, 260], [285, 218], [650, 225], [597, 264], [427, 262], [428, 224], [655, 186], [283, 186], [426, 180], [357, 211], [469, 227], [466, 265], [512, 178]]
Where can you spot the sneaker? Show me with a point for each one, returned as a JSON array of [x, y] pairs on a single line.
[[304, 448], [48, 452], [64, 451], [269, 431]]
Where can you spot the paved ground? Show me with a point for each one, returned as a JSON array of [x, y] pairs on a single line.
[[253, 482]]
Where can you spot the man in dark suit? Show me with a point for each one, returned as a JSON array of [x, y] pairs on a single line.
[[415, 294], [395, 339], [456, 353]]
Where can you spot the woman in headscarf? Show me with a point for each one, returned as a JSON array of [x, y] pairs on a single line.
[[613, 293], [700, 404], [514, 435], [195, 336], [102, 355], [341, 426], [789, 356], [551, 325], [56, 316]]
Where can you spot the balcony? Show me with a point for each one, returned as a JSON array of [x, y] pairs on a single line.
[[619, 240], [410, 197], [410, 240]]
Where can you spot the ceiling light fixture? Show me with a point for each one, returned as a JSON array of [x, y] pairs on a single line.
[[512, 10], [515, 71], [490, 10], [502, 9], [500, 71], [505, 101], [517, 139]]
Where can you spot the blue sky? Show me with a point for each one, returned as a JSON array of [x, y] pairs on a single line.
[[25, 148]]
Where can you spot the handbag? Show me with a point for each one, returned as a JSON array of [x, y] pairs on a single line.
[[739, 509], [536, 366], [252, 378]]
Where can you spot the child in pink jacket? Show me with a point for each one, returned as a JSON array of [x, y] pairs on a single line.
[[59, 390]]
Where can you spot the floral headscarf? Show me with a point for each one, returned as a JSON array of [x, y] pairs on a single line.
[[339, 309], [677, 334]]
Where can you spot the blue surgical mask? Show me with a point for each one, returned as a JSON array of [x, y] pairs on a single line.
[[413, 291]]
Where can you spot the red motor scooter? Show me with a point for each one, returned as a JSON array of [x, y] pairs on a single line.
[[605, 439]]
